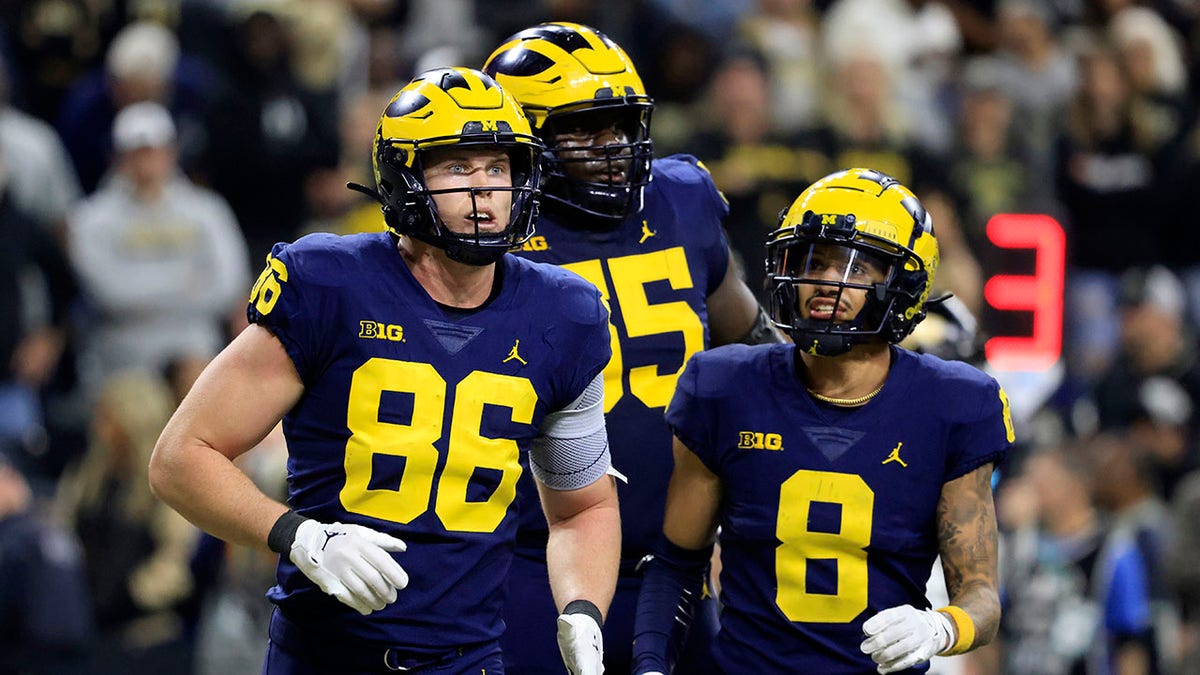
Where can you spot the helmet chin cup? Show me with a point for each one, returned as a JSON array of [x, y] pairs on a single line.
[[604, 205], [820, 343], [467, 253]]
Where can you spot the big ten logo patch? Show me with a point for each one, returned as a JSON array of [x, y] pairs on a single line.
[[757, 440], [374, 330]]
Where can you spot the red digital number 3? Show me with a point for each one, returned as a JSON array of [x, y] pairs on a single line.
[[1041, 293]]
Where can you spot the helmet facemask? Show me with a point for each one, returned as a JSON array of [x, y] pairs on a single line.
[[573, 79], [814, 268], [465, 112], [414, 211], [605, 180]]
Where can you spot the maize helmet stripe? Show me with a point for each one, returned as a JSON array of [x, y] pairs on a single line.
[[555, 62], [432, 110], [596, 52]]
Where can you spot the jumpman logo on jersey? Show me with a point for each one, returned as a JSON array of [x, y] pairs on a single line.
[[895, 456], [646, 232], [512, 354]]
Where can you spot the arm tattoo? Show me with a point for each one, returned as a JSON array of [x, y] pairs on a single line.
[[967, 540]]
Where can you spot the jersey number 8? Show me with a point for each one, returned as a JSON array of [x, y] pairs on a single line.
[[800, 545]]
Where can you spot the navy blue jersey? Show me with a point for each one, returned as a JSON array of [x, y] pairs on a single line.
[[413, 422], [656, 270], [828, 514]]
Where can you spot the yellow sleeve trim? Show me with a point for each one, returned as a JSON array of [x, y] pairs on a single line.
[[965, 628]]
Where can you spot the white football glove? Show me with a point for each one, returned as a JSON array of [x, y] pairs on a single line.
[[350, 562], [901, 637], [581, 644]]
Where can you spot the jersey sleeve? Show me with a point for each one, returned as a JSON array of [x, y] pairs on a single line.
[[589, 348], [283, 301], [714, 200], [690, 415], [714, 209], [984, 435]]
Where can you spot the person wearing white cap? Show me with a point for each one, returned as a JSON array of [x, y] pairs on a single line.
[[143, 125], [161, 261], [144, 62]]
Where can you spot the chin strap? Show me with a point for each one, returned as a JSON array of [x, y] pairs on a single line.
[[821, 344], [370, 192], [470, 256], [388, 211]]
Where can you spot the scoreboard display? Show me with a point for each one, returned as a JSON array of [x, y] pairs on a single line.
[[1030, 341], [1023, 312]]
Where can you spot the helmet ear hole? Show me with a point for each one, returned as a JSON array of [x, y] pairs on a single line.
[[393, 155], [912, 283], [389, 217]]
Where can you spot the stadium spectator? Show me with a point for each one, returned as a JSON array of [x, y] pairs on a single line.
[[143, 63], [267, 132], [45, 186], [136, 549], [37, 288], [1153, 386], [161, 261], [45, 608], [1076, 596]]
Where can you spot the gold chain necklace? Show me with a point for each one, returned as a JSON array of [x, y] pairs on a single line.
[[846, 402]]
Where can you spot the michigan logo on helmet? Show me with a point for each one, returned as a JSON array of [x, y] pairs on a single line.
[[864, 215], [586, 101], [458, 107]]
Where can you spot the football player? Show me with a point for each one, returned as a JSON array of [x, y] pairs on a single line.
[[414, 369], [837, 469], [648, 233]]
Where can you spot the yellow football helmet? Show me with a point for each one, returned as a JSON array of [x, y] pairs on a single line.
[[570, 77], [869, 214], [462, 107]]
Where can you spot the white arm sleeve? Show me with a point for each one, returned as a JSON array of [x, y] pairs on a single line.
[[572, 450]]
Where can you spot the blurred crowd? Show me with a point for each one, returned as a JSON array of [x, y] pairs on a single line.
[[152, 151]]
